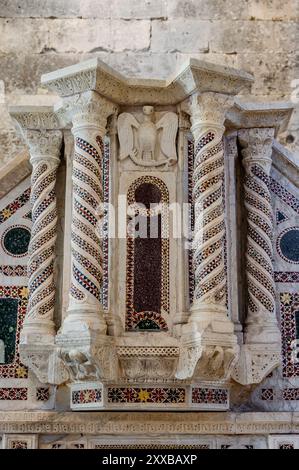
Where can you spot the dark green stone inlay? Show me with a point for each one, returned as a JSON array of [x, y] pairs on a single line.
[[8, 326], [16, 241], [147, 325]]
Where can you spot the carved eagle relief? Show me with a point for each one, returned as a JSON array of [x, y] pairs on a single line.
[[148, 143]]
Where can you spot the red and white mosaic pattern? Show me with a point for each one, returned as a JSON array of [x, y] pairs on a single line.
[[146, 395], [289, 305], [215, 396], [15, 394]]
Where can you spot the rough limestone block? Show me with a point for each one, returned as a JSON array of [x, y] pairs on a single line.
[[273, 10], [127, 9], [252, 36], [90, 35], [203, 9], [233, 9], [180, 36], [40, 8]]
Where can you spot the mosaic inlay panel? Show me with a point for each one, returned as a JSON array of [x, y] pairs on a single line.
[[286, 446], [290, 394], [209, 396], [289, 306], [11, 208], [147, 256], [267, 394], [105, 241], [14, 271], [286, 277], [146, 395], [15, 394], [280, 217], [86, 396], [19, 445], [15, 240], [42, 393], [288, 245], [190, 160], [18, 298]]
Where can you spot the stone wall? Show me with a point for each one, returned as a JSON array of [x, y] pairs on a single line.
[[145, 38]]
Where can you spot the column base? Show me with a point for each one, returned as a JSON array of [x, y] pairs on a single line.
[[84, 317], [261, 333], [38, 331]]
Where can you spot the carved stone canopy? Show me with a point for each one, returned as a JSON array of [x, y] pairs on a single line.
[[195, 76], [246, 115]]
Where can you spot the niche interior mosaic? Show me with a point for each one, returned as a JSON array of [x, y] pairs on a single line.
[[147, 255]]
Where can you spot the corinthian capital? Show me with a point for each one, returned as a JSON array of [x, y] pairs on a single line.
[[257, 147], [88, 110], [209, 109], [43, 145]]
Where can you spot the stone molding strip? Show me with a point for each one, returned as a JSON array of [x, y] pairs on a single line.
[[134, 423]]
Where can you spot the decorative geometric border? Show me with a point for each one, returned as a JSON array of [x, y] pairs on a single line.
[[147, 395], [16, 370], [289, 304], [86, 396], [43, 394], [105, 241], [278, 245], [14, 271], [290, 394], [267, 394], [14, 393], [132, 317], [190, 166], [285, 195], [209, 396], [19, 441], [11, 208], [286, 277], [23, 255]]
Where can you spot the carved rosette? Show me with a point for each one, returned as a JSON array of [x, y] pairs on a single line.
[[89, 115], [257, 150], [45, 157], [209, 311]]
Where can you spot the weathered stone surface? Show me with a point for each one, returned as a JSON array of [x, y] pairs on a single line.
[[193, 35], [150, 38], [234, 9], [73, 35], [84, 8]]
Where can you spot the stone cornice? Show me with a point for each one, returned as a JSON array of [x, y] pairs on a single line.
[[35, 117], [14, 172], [134, 423], [247, 115], [195, 76], [285, 162]]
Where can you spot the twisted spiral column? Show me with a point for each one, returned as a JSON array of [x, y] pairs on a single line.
[[261, 324], [45, 157], [209, 330], [89, 117], [210, 289]]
